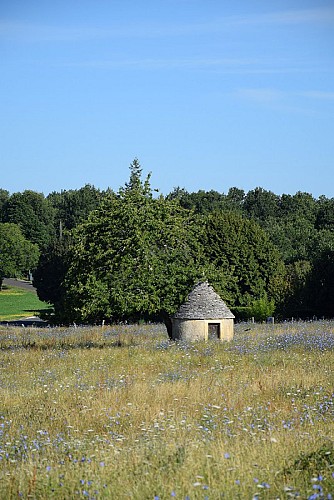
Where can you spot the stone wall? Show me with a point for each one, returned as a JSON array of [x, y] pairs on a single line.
[[190, 329]]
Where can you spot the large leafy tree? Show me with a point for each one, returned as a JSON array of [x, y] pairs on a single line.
[[241, 250], [293, 235], [51, 271], [201, 202], [4, 195], [17, 254], [260, 204], [70, 207], [296, 303], [74, 206], [234, 200], [33, 213], [320, 286], [300, 205], [136, 255], [325, 214]]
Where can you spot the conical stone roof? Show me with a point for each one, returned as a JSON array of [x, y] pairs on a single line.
[[203, 303]]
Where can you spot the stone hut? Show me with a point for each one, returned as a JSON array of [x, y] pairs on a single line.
[[202, 316]]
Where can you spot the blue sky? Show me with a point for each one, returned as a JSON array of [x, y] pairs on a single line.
[[207, 94]]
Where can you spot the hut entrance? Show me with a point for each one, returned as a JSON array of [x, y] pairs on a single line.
[[214, 330]]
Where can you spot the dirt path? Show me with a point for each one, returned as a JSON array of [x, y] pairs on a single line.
[[25, 285]]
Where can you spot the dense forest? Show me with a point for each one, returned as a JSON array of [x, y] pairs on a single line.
[[104, 255]]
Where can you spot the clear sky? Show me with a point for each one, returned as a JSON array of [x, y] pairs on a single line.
[[208, 94]]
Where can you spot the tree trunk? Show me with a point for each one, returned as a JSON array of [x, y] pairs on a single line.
[[168, 323]]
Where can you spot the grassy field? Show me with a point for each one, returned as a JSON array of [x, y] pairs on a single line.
[[16, 303], [120, 412]]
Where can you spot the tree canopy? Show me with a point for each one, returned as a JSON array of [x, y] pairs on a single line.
[[17, 254], [129, 248], [135, 256], [73, 206], [241, 250], [33, 213]]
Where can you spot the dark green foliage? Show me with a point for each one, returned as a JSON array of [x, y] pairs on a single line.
[[33, 213], [4, 195], [135, 184], [325, 214], [262, 308], [234, 200], [292, 235], [243, 253], [320, 286], [242, 313], [74, 206], [299, 205], [260, 204], [135, 256], [205, 202], [297, 303], [201, 202], [50, 274], [17, 255], [289, 220], [299, 226]]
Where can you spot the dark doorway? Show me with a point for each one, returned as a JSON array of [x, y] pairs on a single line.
[[214, 330]]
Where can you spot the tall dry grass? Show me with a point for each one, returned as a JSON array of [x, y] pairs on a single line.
[[122, 413]]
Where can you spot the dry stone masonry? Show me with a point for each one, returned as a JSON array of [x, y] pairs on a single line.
[[202, 316]]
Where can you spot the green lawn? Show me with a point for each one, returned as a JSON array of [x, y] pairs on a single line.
[[16, 304]]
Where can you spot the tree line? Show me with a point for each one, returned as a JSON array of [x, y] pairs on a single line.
[[135, 254]]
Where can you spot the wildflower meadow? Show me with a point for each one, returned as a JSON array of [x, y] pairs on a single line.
[[121, 412]]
